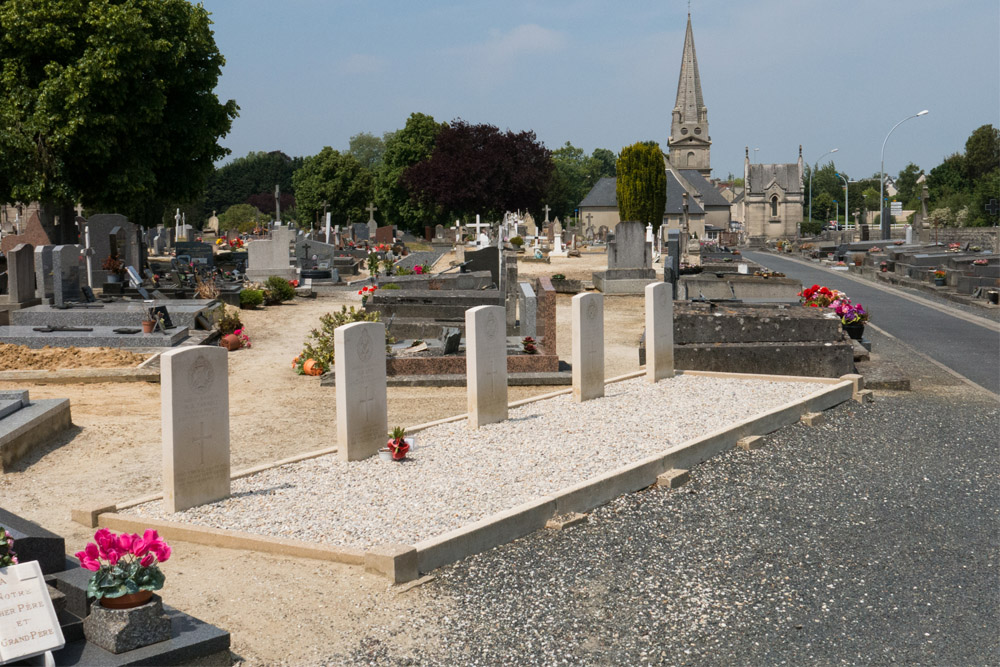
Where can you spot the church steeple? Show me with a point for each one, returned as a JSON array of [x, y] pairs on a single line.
[[689, 141]]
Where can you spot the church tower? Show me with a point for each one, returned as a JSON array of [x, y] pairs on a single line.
[[689, 141]]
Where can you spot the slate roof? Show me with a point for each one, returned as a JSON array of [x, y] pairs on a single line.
[[602, 194], [709, 193], [787, 176]]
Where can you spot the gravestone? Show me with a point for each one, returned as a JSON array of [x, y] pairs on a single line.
[[66, 262], [21, 274], [372, 228], [43, 272], [385, 235], [588, 347], [528, 310], [439, 233], [630, 261], [200, 253], [194, 408], [362, 416], [659, 331], [359, 231], [28, 622], [486, 364], [268, 258], [34, 233]]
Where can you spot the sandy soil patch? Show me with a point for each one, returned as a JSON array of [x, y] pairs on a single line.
[[23, 358]]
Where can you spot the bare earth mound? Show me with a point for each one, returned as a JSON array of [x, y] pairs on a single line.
[[22, 358]]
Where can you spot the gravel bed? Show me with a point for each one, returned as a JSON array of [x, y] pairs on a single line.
[[458, 476]]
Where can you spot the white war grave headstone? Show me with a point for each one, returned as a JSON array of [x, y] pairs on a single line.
[[194, 408], [362, 415], [486, 364], [588, 346], [28, 622], [659, 331]]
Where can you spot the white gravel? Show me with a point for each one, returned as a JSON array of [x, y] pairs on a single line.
[[456, 476]]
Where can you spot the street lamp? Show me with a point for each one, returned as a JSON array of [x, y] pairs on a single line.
[[834, 150], [755, 155], [847, 202], [883, 218]]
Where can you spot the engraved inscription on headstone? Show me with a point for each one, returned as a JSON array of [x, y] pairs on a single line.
[[28, 622]]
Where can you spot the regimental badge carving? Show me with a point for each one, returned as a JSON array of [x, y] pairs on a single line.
[[663, 297], [365, 346], [202, 374], [491, 326], [592, 310]]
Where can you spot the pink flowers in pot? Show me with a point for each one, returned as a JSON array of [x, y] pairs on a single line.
[[123, 563]]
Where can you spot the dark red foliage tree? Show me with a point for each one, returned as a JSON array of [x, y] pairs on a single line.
[[264, 202], [479, 169]]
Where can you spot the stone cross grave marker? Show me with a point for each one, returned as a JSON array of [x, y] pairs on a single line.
[[588, 347], [362, 415], [486, 364], [194, 409], [546, 209], [659, 331]]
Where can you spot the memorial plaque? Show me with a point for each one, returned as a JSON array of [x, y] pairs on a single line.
[[28, 623], [194, 399]]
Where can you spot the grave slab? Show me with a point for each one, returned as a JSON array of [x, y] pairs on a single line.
[[98, 336], [32, 426]]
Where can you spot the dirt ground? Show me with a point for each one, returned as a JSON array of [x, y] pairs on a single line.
[[23, 358], [279, 610]]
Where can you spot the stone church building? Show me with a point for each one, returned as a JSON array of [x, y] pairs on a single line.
[[772, 199], [690, 193]]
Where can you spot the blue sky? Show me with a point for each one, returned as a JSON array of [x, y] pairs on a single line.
[[775, 73]]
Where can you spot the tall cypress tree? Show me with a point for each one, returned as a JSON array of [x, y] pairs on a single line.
[[642, 183]]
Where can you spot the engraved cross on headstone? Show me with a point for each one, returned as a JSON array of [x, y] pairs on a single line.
[[493, 373], [200, 440]]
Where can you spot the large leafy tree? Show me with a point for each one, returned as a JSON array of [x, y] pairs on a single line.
[[906, 184], [109, 102], [337, 179], [405, 148], [368, 149], [574, 175], [982, 153], [642, 183], [251, 180], [479, 169]]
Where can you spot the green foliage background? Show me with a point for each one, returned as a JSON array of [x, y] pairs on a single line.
[[642, 183]]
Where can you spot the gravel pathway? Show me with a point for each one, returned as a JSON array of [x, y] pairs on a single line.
[[458, 476]]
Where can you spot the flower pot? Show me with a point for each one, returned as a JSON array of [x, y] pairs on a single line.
[[400, 453], [147, 327], [127, 601], [939, 282], [231, 342], [855, 331], [311, 367]]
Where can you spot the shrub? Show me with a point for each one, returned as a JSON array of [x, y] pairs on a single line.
[[811, 227], [277, 289], [319, 344], [404, 271], [390, 286], [517, 242], [251, 298], [228, 320], [558, 276]]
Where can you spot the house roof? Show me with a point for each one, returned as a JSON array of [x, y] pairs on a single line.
[[604, 194], [709, 193], [786, 176], [675, 198]]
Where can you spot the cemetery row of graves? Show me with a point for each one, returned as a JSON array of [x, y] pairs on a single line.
[[448, 309]]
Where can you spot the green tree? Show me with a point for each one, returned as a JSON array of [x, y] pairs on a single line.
[[906, 184], [253, 176], [405, 148], [241, 217], [642, 183], [982, 153], [948, 178], [367, 149], [603, 161], [987, 188], [823, 206], [110, 103], [335, 178]]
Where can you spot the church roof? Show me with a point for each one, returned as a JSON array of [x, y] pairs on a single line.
[[709, 193], [602, 194], [689, 99], [786, 176]]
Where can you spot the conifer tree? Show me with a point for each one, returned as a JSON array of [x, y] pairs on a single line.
[[642, 183]]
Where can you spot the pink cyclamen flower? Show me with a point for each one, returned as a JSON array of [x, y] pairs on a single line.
[[147, 560], [91, 551], [139, 546], [238, 332], [124, 543], [150, 536], [162, 551], [113, 556], [103, 537]]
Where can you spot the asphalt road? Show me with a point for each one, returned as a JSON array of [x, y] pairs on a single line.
[[968, 345]]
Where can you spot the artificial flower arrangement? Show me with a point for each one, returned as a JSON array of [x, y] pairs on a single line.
[[294, 283], [366, 292], [113, 265], [236, 243], [874, 248], [243, 336], [528, 344], [940, 274], [7, 555], [398, 444], [418, 269], [220, 241], [980, 262], [123, 564], [819, 297], [850, 313]]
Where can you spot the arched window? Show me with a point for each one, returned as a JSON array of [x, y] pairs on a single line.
[[690, 158], [774, 206]]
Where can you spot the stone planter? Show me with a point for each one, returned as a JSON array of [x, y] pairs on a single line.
[[121, 630]]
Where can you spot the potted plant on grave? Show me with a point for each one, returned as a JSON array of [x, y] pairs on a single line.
[[125, 567], [398, 445], [7, 555], [852, 316], [883, 266], [151, 320], [115, 268], [939, 276]]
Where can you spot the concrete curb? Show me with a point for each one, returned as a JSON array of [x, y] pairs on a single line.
[[32, 426], [402, 563], [82, 375]]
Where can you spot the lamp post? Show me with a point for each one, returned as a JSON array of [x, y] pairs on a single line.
[[755, 155], [834, 150], [847, 202], [883, 219]]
